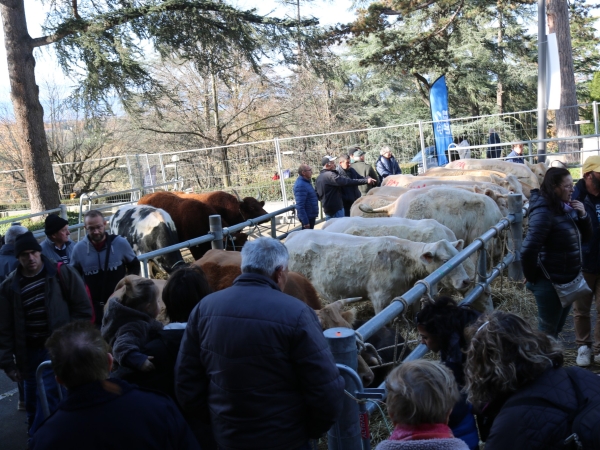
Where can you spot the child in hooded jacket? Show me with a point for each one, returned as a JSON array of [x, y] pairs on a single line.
[[130, 322]]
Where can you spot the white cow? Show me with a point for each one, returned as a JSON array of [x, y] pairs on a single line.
[[424, 230], [467, 214], [522, 171], [372, 201], [390, 191], [507, 182], [481, 175], [378, 268]]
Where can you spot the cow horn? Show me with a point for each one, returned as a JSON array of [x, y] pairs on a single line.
[[345, 301], [237, 195], [259, 196]]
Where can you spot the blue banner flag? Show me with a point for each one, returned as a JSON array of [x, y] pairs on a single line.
[[438, 98]]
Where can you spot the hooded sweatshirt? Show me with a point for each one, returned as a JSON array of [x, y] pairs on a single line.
[[102, 274]]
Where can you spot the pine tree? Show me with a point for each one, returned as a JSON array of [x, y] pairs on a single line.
[[105, 41]]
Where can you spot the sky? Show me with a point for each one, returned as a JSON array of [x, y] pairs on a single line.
[[328, 12]]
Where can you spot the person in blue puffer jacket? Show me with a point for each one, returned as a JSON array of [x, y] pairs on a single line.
[[307, 204], [386, 165]]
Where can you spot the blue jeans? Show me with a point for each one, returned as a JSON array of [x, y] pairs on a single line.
[[340, 213], [551, 314], [33, 405]]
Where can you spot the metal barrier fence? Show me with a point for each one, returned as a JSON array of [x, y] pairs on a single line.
[[62, 210], [269, 166], [351, 432], [350, 436], [216, 235]]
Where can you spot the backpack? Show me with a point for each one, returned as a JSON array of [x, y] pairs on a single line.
[[584, 420], [63, 288]]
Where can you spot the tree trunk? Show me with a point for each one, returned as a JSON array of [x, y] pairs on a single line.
[[499, 90], [218, 131], [568, 114], [29, 114]]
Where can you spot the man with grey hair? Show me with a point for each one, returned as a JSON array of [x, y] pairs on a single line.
[[386, 164], [253, 361], [8, 262]]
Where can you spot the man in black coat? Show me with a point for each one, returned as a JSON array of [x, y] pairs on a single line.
[[329, 188], [254, 361], [349, 193], [99, 412], [587, 191]]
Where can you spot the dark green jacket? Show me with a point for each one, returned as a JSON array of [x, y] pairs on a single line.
[[73, 304]]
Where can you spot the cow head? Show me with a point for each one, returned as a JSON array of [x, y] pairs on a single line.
[[235, 241], [510, 182], [438, 253], [500, 199], [333, 316], [251, 207]]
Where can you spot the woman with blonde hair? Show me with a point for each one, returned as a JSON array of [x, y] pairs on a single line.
[[514, 376], [420, 397]]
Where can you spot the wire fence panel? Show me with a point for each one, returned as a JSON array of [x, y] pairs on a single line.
[[270, 167]]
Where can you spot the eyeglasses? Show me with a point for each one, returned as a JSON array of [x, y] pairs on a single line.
[[307, 170], [568, 187]]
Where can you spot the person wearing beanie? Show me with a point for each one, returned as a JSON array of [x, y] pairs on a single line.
[[35, 300], [58, 245], [8, 263]]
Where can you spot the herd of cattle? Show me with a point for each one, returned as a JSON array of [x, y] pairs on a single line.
[[397, 234]]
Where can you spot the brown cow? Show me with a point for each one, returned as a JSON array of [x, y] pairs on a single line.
[[222, 267], [232, 208], [190, 218]]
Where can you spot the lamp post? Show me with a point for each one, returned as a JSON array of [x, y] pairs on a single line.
[[542, 43]]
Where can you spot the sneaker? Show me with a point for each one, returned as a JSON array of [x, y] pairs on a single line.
[[584, 356], [21, 405]]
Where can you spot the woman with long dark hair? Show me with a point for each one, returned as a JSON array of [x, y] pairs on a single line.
[[557, 225], [442, 325], [524, 397]]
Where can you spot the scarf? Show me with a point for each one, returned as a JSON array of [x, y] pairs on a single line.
[[421, 432]]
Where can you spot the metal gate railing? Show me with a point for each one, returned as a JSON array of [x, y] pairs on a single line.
[[351, 419]]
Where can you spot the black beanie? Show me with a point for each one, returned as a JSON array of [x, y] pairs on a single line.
[[54, 224], [26, 241]]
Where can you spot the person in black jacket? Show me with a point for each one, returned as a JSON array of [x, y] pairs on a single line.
[[552, 245], [442, 325], [514, 376], [349, 193], [255, 362], [587, 191], [329, 184], [102, 259]]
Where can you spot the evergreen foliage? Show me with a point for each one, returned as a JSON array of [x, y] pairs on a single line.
[[105, 43]]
